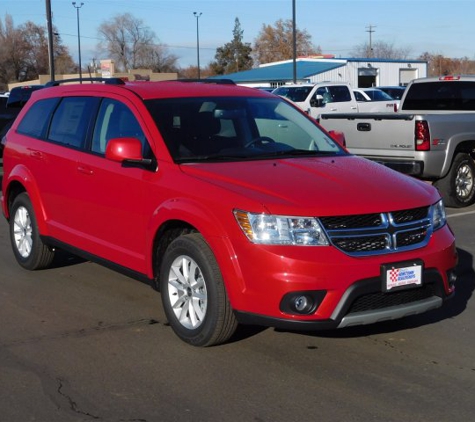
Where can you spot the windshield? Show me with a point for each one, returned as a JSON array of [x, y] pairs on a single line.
[[378, 95], [295, 94], [237, 128]]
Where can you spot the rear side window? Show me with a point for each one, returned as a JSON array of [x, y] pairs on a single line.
[[72, 120], [36, 120], [452, 96], [334, 94]]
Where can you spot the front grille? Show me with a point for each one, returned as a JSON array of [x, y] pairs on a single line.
[[406, 216], [361, 243], [374, 301], [351, 221], [372, 234]]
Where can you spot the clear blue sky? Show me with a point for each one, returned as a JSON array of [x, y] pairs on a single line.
[[337, 26]]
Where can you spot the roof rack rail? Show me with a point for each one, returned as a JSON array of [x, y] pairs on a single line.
[[210, 81], [108, 81]]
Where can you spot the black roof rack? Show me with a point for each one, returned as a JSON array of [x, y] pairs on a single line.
[[209, 81], [108, 81]]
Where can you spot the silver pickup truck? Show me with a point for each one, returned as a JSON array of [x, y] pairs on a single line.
[[432, 136]]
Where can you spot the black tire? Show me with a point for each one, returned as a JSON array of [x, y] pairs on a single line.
[[458, 186], [28, 248], [193, 293]]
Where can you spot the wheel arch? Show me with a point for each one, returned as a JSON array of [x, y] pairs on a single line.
[[184, 217], [461, 143], [21, 180]]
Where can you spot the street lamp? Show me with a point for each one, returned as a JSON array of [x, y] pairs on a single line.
[[197, 15], [79, 36]]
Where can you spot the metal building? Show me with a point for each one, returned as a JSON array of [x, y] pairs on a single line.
[[360, 73]]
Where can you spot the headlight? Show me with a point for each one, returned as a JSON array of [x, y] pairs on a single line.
[[281, 230], [438, 216]]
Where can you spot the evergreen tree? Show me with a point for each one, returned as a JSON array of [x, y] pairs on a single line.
[[234, 56]]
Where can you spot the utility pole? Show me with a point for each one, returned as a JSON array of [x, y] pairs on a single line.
[[294, 43], [77, 7], [197, 16], [370, 30], [50, 39]]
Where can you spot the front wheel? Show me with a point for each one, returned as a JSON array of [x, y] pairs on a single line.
[[28, 248], [193, 293], [458, 186]]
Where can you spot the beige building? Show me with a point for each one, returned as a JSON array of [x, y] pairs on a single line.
[[106, 70]]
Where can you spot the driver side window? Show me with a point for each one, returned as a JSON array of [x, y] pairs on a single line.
[[115, 120]]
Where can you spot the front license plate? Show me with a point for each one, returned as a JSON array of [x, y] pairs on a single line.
[[401, 275]]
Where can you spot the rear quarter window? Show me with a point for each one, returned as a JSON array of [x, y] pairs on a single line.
[[71, 121], [35, 121]]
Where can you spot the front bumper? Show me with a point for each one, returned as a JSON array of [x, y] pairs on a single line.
[[348, 289], [364, 303]]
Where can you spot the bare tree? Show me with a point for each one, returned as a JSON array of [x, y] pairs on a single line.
[[438, 65], [158, 59], [380, 50], [24, 52], [131, 44], [275, 43]]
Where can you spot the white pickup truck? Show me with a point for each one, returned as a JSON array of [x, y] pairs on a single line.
[[331, 97], [432, 136]]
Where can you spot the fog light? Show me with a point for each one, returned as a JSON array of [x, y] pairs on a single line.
[[301, 303], [452, 278]]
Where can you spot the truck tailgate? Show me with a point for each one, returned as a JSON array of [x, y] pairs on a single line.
[[380, 132]]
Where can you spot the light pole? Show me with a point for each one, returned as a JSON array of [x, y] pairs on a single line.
[[79, 36], [197, 16]]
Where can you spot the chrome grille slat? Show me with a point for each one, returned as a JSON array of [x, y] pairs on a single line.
[[373, 234]]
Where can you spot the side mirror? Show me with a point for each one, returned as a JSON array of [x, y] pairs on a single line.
[[338, 137], [122, 149], [317, 101]]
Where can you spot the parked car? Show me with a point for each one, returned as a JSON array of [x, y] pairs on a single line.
[[329, 97], [231, 201], [395, 92], [10, 105], [371, 94]]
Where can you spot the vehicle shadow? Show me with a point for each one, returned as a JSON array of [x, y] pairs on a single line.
[[65, 259]]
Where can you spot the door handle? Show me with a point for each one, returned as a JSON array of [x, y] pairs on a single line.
[[363, 127], [36, 154], [85, 170]]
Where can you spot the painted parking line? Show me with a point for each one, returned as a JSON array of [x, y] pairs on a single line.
[[460, 214]]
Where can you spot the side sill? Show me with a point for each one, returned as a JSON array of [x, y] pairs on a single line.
[[101, 261]]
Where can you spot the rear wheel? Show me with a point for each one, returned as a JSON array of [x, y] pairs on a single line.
[[193, 294], [458, 186], [28, 248]]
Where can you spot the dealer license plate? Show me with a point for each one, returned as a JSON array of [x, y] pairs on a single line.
[[401, 275]]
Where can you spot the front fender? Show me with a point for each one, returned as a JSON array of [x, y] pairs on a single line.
[[214, 226]]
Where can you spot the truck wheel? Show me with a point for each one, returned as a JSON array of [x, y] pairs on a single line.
[[28, 248], [193, 294], [458, 187]]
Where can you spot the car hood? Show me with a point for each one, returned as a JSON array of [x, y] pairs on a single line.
[[316, 186]]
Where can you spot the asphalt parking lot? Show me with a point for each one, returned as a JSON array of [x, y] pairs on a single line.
[[79, 342]]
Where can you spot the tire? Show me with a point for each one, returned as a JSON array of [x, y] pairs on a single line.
[[28, 248], [193, 294], [458, 186]]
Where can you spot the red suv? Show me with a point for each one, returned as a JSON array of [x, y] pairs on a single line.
[[232, 202]]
